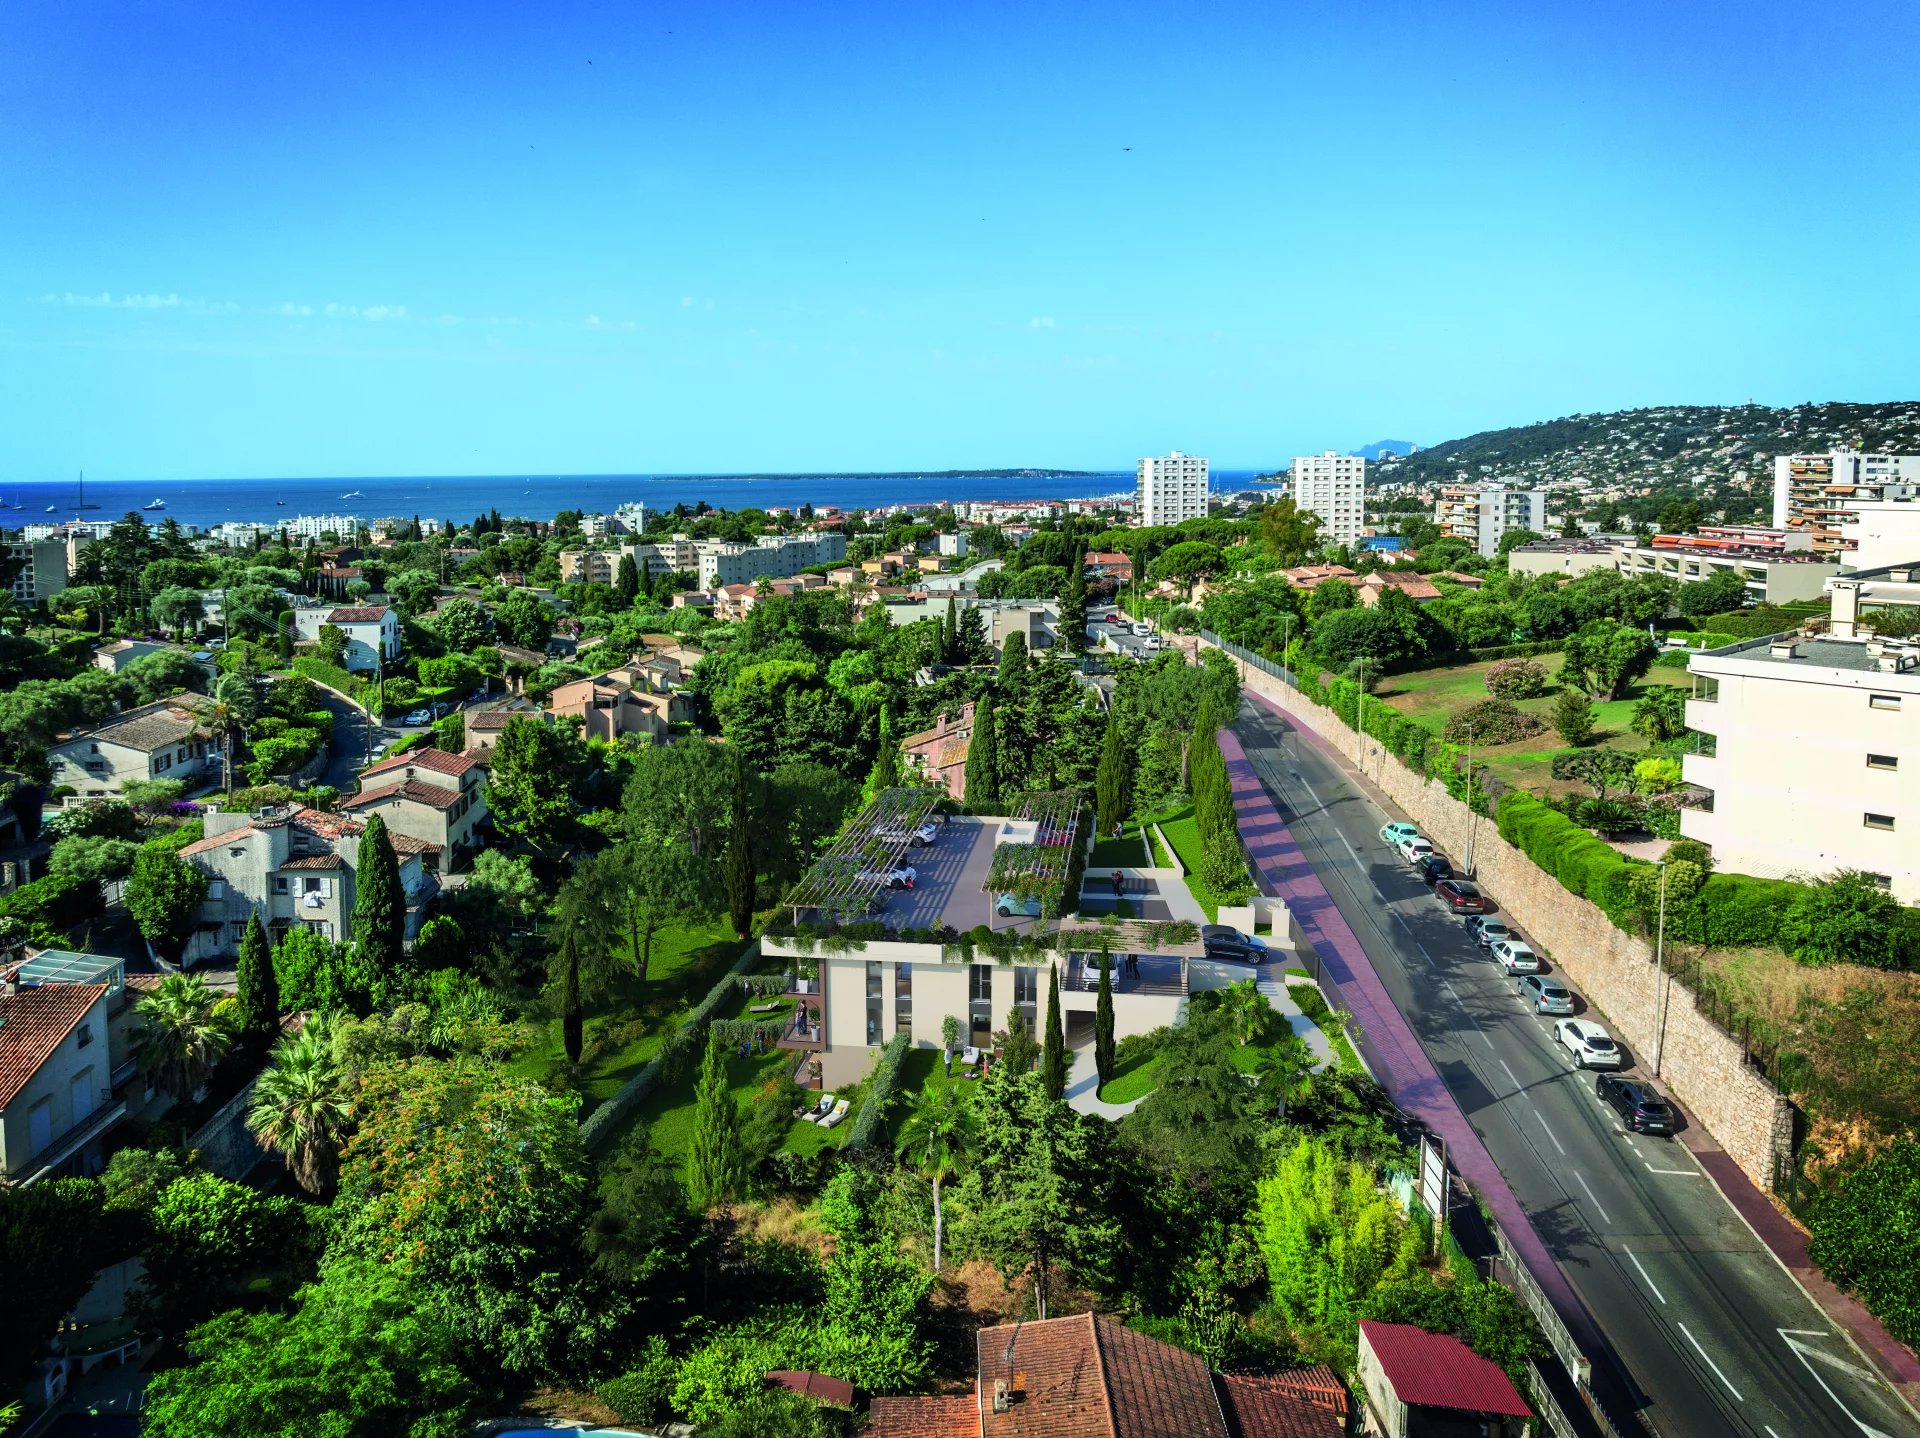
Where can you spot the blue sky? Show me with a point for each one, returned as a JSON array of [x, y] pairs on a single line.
[[245, 239]]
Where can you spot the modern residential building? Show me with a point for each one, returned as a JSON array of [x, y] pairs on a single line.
[[1818, 493], [1333, 487], [167, 739], [372, 630], [772, 556], [1569, 558], [1777, 566], [953, 544], [1885, 532], [1809, 748], [44, 564], [1170, 488], [290, 865], [1481, 513], [593, 565], [1415, 1384], [1088, 1375], [435, 797], [315, 526]]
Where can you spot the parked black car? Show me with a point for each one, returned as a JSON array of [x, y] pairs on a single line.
[[1433, 867], [1640, 1108], [1228, 945]]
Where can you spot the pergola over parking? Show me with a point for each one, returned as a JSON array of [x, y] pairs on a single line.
[[1038, 845], [844, 882]]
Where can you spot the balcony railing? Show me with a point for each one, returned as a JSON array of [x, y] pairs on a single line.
[[806, 1033], [1144, 974]]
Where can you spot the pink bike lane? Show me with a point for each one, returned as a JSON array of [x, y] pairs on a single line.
[[1395, 1055]]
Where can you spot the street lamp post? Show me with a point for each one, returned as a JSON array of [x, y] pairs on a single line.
[[1473, 814], [1660, 977]]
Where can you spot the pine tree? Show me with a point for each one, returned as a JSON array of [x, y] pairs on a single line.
[[257, 988], [886, 764], [626, 581], [1053, 1054], [1110, 782], [573, 1019], [983, 763], [1103, 1055], [380, 904], [717, 1167], [738, 869]]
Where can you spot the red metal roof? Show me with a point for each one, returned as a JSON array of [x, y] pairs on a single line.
[[814, 1385], [1437, 1370]]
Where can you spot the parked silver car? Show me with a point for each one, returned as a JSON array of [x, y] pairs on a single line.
[[1546, 996]]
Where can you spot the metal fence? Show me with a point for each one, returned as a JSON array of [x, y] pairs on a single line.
[[1247, 656]]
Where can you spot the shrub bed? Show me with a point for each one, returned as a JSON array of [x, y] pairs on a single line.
[[1492, 721]]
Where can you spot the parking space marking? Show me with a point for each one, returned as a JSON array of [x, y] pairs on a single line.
[[1648, 1277], [1741, 1397], [1604, 1217]]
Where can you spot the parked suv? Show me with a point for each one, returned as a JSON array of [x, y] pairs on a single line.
[[1546, 996], [916, 837], [1591, 1046], [1432, 868], [1639, 1107], [1462, 896], [890, 878], [1228, 945], [417, 717]]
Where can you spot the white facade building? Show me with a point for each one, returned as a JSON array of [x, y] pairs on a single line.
[[1334, 488], [1170, 488], [1884, 532], [1821, 493], [773, 556], [312, 526], [1482, 513], [372, 630], [43, 569]]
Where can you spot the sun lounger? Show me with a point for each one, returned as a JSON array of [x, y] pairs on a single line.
[[970, 1057], [764, 1009], [819, 1110], [839, 1112]]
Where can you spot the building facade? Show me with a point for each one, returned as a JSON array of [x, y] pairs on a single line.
[[372, 630], [1819, 493], [167, 739], [1333, 487], [438, 798], [43, 569], [772, 556], [1170, 488], [1885, 532], [1777, 566], [1482, 513]]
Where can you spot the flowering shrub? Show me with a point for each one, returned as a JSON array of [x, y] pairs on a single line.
[[1517, 679], [1493, 721]]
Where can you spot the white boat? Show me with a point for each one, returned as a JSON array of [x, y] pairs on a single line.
[[354, 494], [157, 504]]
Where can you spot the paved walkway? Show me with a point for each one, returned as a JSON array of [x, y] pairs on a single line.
[[1392, 1051], [1083, 1088]]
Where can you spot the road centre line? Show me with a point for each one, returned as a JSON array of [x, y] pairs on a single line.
[[1510, 1075], [1710, 1363], [1563, 1153], [1643, 1273], [1604, 1218]]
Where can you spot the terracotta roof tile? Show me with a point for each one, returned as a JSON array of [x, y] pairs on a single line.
[[437, 760], [1157, 1389], [942, 1417], [1437, 1370], [358, 614], [1301, 1403], [33, 1023], [432, 795]]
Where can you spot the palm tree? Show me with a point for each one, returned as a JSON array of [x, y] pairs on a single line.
[[1250, 1013], [221, 720], [181, 1042], [939, 1133], [300, 1107]]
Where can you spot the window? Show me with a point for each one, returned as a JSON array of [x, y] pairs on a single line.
[[1880, 821], [1883, 761], [280, 883], [1026, 985], [238, 852], [1880, 881], [981, 983], [1883, 701], [310, 886], [86, 1035]]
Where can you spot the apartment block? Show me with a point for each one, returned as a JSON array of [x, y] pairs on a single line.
[[772, 556], [1334, 488], [1481, 513], [1809, 752], [1170, 488], [1885, 532], [43, 569], [1777, 566], [313, 526], [592, 566], [1820, 493]]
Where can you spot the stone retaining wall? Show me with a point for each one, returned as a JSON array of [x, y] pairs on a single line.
[[1700, 1063]]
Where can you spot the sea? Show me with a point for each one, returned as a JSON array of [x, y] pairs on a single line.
[[204, 503]]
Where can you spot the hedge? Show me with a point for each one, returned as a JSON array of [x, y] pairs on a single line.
[[61, 901], [1734, 909], [330, 675], [670, 1062], [881, 1085], [1583, 864]]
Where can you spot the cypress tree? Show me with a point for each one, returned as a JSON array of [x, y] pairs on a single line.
[[1053, 1054], [983, 761], [626, 581], [1110, 782], [1073, 600], [258, 992], [886, 764], [950, 634], [717, 1167], [380, 904], [573, 1019], [738, 865], [1103, 1055], [1013, 667]]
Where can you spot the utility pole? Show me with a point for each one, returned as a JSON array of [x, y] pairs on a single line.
[[1360, 718], [1660, 977], [1473, 814]]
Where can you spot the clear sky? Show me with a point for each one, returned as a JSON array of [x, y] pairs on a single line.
[[240, 238]]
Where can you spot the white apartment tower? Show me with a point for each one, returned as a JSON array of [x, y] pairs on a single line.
[[1482, 513], [1333, 487], [1819, 493], [1171, 488]]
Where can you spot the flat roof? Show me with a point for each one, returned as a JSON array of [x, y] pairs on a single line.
[[948, 877], [1814, 653]]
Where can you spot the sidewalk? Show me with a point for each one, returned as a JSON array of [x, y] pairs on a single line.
[[1083, 1088]]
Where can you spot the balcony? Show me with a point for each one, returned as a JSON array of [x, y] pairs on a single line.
[[47, 1162], [806, 1034], [1155, 974]]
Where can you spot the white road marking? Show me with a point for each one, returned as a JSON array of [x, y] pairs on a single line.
[[1596, 1202], [1648, 1277], [1672, 1172], [1769, 1428], [1802, 1350], [1563, 1153], [1358, 862], [1516, 1082], [1714, 1366]]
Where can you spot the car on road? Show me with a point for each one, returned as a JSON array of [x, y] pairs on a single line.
[[1545, 996], [1141, 631], [1515, 957], [890, 878], [1592, 1047], [440, 709], [1487, 931], [1462, 896], [417, 717], [1116, 619], [1432, 868], [1227, 944], [1639, 1107], [1393, 833], [1413, 846], [917, 837]]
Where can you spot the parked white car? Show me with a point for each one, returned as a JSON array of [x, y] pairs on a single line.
[[1591, 1046], [890, 878], [1515, 957], [1413, 846], [1141, 631], [915, 838]]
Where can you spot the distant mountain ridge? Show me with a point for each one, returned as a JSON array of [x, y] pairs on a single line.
[[1675, 442], [1386, 446]]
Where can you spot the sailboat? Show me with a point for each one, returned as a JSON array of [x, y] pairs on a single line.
[[81, 502]]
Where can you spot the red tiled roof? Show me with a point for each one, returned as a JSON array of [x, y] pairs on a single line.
[[358, 614], [1437, 1370], [432, 795], [33, 1023], [1156, 1387], [1301, 1403], [438, 760], [814, 1385], [1088, 1377], [943, 1417]]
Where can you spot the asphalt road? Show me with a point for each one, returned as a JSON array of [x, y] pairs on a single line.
[[350, 742], [1710, 1336]]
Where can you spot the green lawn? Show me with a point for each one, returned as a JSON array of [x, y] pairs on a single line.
[[625, 1031], [1432, 696], [1140, 1075], [1184, 834], [1124, 852]]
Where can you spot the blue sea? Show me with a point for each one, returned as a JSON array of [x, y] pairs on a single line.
[[208, 502]]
